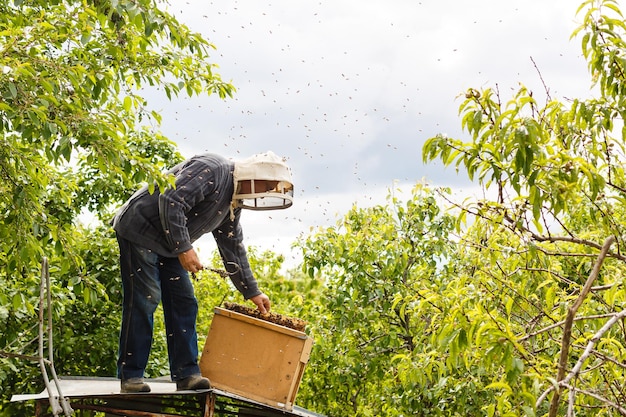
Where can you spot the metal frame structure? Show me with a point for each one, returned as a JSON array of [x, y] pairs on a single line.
[[58, 403]]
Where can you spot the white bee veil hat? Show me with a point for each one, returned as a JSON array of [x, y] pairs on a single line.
[[266, 167]]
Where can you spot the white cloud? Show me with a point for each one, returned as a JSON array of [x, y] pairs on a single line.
[[349, 90]]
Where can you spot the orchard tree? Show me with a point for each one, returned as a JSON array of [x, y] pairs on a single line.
[[75, 130], [385, 269], [544, 258], [78, 136]]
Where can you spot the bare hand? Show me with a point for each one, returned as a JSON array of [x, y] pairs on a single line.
[[190, 261], [262, 302]]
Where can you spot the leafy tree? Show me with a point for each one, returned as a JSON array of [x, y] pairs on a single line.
[[71, 112], [540, 255], [387, 274], [77, 136]]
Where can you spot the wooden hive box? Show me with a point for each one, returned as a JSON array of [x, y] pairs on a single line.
[[254, 358]]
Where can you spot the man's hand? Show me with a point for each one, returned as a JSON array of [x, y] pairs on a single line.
[[189, 260], [262, 302]]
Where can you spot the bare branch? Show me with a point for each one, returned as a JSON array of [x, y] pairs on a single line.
[[564, 383], [4, 354], [567, 331], [609, 403], [561, 323], [589, 349], [545, 87]]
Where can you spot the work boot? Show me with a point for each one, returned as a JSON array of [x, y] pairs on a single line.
[[134, 385], [193, 382]]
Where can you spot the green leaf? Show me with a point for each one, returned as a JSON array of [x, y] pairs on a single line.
[[12, 89]]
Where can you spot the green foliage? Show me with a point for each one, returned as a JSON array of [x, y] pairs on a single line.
[[77, 137], [414, 310], [558, 180], [290, 292], [381, 344], [86, 307], [75, 132]]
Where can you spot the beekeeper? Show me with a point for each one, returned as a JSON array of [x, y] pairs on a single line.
[[156, 232]]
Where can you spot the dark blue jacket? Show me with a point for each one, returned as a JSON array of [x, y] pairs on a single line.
[[169, 222]]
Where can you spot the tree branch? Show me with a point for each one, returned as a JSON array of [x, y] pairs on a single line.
[[609, 403], [567, 331], [4, 354], [559, 324]]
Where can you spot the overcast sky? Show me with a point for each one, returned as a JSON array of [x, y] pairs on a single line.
[[349, 90]]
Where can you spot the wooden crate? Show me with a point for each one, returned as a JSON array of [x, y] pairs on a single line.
[[254, 358]]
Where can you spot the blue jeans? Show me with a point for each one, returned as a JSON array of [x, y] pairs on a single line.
[[147, 279]]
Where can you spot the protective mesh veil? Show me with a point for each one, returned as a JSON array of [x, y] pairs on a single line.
[[271, 186]]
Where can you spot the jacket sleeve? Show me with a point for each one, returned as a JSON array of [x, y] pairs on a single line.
[[194, 181], [229, 239]]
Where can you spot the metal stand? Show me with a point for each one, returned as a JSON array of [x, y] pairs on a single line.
[[58, 403]]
